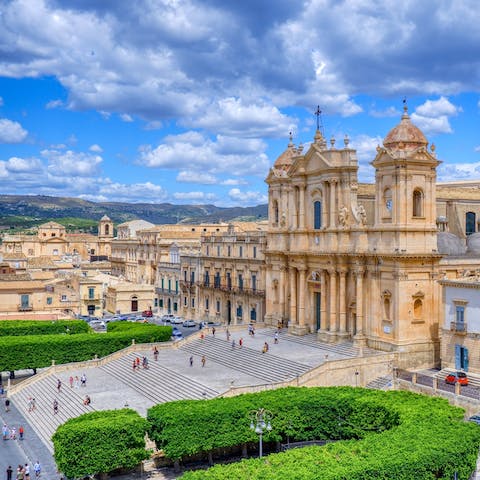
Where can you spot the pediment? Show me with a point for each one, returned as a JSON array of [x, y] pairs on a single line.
[[313, 162], [55, 240], [418, 156]]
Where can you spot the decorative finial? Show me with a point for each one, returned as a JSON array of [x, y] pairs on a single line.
[[290, 139], [405, 108], [432, 148], [346, 141], [332, 141]]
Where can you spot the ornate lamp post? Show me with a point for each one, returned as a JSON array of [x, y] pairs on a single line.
[[259, 422]]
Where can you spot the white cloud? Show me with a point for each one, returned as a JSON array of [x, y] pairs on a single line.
[[23, 165], [126, 117], [188, 176], [234, 181], [387, 112], [205, 155], [195, 197], [11, 132], [433, 116], [154, 125], [458, 171], [70, 163], [96, 148], [477, 149], [366, 150], [54, 104], [247, 198]]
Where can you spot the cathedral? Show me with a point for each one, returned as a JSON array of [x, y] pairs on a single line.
[[353, 261]]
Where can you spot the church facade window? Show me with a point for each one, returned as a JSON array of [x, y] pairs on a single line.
[[418, 203], [317, 215]]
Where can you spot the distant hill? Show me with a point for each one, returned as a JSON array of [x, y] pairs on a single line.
[[20, 211]]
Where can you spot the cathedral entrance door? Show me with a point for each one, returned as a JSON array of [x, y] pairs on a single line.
[[229, 312]]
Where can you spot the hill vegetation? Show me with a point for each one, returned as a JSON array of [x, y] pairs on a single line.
[[21, 212]]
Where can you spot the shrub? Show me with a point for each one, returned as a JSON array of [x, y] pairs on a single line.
[[39, 350], [42, 327], [386, 435], [100, 442]]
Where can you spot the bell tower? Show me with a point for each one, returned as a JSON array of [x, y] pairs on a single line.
[[405, 173], [105, 227]]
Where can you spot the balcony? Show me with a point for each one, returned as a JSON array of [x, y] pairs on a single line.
[[25, 308], [88, 298], [187, 286], [458, 327], [233, 289]]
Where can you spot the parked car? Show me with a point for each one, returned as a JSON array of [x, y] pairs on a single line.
[[98, 325], [167, 317], [177, 320], [457, 377], [475, 419], [176, 334], [189, 323], [147, 313]]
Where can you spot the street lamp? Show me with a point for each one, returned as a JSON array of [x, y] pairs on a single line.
[[259, 422], [357, 373]]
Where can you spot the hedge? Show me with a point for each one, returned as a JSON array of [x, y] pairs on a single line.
[[42, 327], [383, 435], [35, 351], [100, 442]]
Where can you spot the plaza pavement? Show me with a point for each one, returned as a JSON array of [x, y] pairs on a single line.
[[116, 385]]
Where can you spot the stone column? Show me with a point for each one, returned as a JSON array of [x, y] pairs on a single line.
[[324, 204], [333, 210], [302, 273], [302, 207], [323, 301], [343, 294], [293, 296], [333, 300], [359, 337]]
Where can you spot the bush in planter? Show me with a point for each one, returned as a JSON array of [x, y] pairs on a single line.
[[100, 442]]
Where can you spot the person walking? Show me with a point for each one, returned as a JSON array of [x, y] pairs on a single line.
[[30, 404], [203, 360], [227, 333], [37, 469], [59, 385], [13, 433], [7, 404], [21, 432], [233, 343], [213, 331], [240, 342], [20, 471], [55, 406], [70, 381], [275, 338], [26, 470], [155, 353], [83, 380], [191, 360], [5, 431], [34, 404], [9, 472]]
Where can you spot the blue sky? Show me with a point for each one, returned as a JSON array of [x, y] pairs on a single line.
[[191, 101]]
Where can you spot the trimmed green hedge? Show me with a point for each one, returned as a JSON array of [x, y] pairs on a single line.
[[100, 442], [399, 435], [38, 350], [187, 427], [42, 327]]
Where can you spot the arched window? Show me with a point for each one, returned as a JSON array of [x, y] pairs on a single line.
[[275, 213], [469, 223], [386, 308], [317, 215], [418, 203], [387, 202], [107, 229]]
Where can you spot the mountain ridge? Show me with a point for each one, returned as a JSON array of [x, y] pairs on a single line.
[[43, 207]]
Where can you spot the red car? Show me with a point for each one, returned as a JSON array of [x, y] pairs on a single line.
[[457, 377], [147, 313]]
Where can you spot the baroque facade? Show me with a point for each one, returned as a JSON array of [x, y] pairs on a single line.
[[353, 269]]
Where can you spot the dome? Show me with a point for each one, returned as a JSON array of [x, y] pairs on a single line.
[[450, 244], [105, 218], [473, 243], [405, 135], [286, 158]]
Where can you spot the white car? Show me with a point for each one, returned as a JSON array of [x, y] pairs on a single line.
[[167, 317], [177, 320], [189, 323]]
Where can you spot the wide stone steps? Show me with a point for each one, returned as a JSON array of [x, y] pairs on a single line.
[[381, 383], [265, 366], [157, 383], [346, 349], [42, 419]]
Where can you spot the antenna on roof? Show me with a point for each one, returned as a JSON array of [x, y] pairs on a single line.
[[318, 113]]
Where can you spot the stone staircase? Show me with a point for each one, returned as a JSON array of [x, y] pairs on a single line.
[[42, 419], [157, 383], [346, 349], [265, 366], [381, 383]]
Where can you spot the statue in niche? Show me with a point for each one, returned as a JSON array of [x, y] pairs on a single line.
[[315, 276], [283, 220], [343, 215], [362, 215]]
